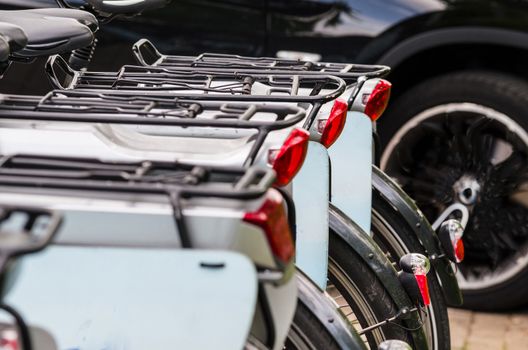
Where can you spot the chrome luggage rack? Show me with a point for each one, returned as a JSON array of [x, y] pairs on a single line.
[[109, 108]]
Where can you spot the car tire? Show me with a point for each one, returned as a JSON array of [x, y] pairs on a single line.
[[501, 101]]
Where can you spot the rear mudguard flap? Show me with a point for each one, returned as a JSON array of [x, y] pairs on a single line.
[[121, 298], [351, 161], [385, 187], [310, 191], [315, 300], [369, 251]]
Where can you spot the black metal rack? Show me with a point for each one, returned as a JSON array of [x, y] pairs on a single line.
[[211, 85], [97, 107], [175, 180], [148, 55], [203, 85]]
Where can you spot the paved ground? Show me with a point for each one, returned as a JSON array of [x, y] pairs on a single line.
[[484, 331]]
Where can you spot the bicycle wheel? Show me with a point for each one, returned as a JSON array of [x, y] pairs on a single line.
[[307, 333], [317, 324], [360, 295]]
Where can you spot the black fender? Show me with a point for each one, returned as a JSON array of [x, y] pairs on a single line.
[[450, 36], [369, 251], [327, 314], [388, 190]]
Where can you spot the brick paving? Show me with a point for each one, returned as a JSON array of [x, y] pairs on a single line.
[[487, 331]]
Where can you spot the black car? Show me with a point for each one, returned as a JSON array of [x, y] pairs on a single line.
[[455, 131]]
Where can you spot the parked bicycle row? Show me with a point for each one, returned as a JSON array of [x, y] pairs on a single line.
[[205, 202]]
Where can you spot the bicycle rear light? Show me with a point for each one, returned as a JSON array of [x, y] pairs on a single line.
[[424, 288], [287, 160], [418, 266], [9, 339], [271, 217], [330, 128], [459, 251], [450, 235], [376, 102]]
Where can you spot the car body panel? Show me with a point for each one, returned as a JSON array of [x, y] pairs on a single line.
[[368, 29], [347, 31]]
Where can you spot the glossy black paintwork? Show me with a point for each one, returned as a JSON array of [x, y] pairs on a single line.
[[339, 30], [352, 30]]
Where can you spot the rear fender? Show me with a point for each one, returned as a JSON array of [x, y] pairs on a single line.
[[384, 186], [369, 251], [351, 159], [310, 193], [85, 294], [315, 300]]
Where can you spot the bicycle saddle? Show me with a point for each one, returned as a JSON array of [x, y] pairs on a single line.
[[4, 54], [125, 7], [83, 17], [12, 39], [48, 35], [14, 36]]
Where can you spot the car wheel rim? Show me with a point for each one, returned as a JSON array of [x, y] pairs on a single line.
[[470, 154]]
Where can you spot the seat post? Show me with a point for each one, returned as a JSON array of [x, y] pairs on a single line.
[[80, 58]]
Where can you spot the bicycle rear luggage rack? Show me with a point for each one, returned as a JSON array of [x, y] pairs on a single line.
[[96, 107], [173, 179], [148, 55], [201, 84]]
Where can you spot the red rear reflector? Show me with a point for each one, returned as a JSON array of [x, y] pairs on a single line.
[[332, 127], [450, 234], [459, 251], [271, 217], [288, 160], [424, 288], [378, 100], [9, 340]]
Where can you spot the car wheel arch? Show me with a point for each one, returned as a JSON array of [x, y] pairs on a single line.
[[446, 50]]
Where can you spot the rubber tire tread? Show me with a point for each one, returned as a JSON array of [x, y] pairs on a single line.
[[502, 92], [306, 322]]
